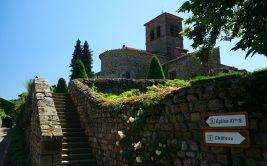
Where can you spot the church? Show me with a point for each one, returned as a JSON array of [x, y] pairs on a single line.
[[163, 40]]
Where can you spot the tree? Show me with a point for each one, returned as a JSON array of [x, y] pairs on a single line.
[[242, 19], [78, 70], [155, 69], [87, 60], [61, 86], [77, 53]]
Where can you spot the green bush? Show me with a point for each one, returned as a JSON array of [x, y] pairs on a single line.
[[61, 86], [78, 70], [7, 108], [155, 69], [3, 115], [53, 88]]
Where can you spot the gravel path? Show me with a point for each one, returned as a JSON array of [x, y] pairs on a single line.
[[4, 143]]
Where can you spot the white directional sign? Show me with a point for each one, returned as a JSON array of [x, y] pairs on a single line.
[[234, 120], [234, 138], [227, 121], [224, 137]]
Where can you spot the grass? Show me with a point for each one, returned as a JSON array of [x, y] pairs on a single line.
[[219, 77], [227, 74], [260, 71], [169, 85]]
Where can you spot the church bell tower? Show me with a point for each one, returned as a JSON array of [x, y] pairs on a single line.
[[162, 35]]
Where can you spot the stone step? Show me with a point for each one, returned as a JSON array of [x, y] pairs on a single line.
[[81, 156], [87, 162], [63, 102], [75, 129], [69, 120], [71, 125], [72, 130], [72, 133], [64, 106], [70, 145], [60, 94], [75, 139], [75, 146], [66, 112], [64, 116], [76, 150], [63, 111]]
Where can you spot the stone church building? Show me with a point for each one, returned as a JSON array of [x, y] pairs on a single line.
[[164, 41]]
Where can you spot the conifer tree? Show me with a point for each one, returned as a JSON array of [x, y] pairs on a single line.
[[87, 59], [78, 70], [61, 86], [77, 53], [155, 69]]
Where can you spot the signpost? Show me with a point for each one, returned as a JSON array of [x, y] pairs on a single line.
[[225, 120], [237, 138], [226, 129]]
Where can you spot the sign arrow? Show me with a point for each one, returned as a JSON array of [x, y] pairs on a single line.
[[223, 138], [227, 121]]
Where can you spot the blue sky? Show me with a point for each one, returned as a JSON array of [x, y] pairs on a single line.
[[37, 37]]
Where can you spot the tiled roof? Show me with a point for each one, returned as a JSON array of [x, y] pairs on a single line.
[[163, 15]]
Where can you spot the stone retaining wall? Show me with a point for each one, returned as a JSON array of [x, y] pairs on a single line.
[[45, 134], [175, 124]]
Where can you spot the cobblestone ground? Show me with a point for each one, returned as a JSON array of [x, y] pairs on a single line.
[[4, 143]]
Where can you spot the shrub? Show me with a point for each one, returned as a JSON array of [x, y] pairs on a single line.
[[61, 86], [3, 115], [78, 70], [53, 88], [6, 108], [155, 69]]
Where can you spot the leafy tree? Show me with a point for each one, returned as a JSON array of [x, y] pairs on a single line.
[[78, 70], [87, 60], [155, 69], [76, 54], [61, 86], [242, 19]]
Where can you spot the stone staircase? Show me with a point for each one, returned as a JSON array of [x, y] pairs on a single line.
[[75, 145]]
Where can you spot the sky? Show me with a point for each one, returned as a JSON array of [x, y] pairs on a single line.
[[37, 37]]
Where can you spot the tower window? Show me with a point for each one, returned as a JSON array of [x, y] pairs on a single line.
[[152, 34], [174, 30], [158, 31], [128, 75]]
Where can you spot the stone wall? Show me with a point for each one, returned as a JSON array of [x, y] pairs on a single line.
[[188, 66], [116, 63], [175, 124], [45, 134]]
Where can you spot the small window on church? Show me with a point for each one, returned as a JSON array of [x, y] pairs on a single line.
[[174, 30], [128, 75], [172, 75], [158, 31], [152, 34]]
